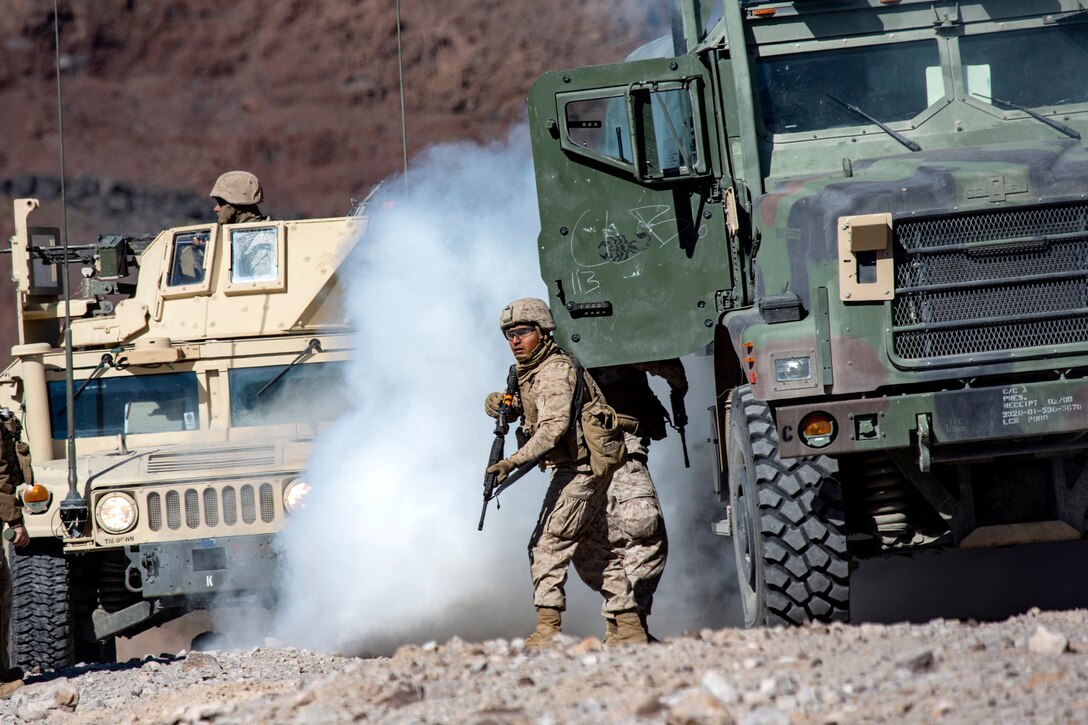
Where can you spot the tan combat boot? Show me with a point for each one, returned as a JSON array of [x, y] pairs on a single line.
[[649, 637], [547, 626], [629, 629], [609, 629], [7, 689]]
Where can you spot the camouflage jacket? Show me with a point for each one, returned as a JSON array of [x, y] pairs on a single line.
[[546, 395], [11, 470]]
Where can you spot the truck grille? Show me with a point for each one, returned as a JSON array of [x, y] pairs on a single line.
[[243, 456], [189, 508], [991, 283]]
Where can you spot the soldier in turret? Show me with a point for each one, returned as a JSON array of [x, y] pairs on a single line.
[[237, 194]]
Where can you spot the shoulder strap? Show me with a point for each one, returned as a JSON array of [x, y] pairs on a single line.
[[578, 401]]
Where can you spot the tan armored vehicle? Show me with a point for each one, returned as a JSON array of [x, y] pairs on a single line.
[[204, 361]]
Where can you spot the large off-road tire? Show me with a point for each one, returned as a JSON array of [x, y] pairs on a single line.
[[42, 631], [788, 525]]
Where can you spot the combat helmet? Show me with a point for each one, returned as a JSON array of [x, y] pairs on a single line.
[[239, 188], [527, 310]]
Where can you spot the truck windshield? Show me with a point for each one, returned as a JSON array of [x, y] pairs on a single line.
[[310, 392], [1030, 68], [897, 82], [155, 404]]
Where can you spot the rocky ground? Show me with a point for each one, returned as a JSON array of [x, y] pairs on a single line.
[[1030, 668]]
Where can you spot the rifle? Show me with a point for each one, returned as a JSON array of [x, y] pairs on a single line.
[[680, 421], [492, 487]]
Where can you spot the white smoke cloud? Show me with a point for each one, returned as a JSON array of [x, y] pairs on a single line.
[[387, 551]]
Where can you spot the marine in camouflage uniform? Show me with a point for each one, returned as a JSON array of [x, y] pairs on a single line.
[[237, 194], [14, 470], [572, 518], [636, 526]]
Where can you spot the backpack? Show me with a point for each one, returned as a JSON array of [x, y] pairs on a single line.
[[599, 424]]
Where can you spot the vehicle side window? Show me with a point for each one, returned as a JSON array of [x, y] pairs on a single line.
[[601, 125], [253, 255], [187, 259], [669, 133], [646, 128]]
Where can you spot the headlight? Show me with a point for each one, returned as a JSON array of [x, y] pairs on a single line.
[[294, 496], [116, 513], [793, 369]]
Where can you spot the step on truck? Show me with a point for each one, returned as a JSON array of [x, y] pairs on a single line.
[[204, 360], [874, 215]]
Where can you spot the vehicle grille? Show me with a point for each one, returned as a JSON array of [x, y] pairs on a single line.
[[212, 459], [189, 508], [991, 282]]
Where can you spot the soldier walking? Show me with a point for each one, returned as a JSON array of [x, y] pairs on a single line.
[[636, 526], [572, 519]]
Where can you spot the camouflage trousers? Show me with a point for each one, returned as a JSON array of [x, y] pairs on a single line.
[[636, 527], [572, 523]]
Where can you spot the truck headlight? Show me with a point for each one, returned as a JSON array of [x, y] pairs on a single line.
[[294, 496], [793, 369], [116, 513]]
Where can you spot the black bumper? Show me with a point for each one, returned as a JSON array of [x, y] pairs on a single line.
[[206, 567]]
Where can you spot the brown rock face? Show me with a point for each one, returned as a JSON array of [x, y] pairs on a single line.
[[303, 94], [166, 95]]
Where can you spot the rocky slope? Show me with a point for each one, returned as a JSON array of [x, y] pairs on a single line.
[[1029, 668], [303, 94], [160, 97]]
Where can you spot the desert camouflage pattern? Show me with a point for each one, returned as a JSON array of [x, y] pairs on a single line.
[[11, 471], [636, 525], [545, 393], [11, 475], [636, 528], [573, 515], [527, 310], [572, 524]]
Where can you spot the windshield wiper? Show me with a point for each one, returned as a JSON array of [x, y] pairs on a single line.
[[106, 362], [312, 347], [883, 127], [1056, 125]]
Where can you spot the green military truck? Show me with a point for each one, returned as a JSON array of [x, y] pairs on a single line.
[[204, 360], [874, 213]]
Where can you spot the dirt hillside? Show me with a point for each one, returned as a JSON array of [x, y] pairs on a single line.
[[160, 97]]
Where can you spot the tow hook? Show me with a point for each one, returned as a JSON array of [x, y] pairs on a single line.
[[146, 570]]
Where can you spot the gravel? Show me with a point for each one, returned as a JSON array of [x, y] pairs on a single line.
[[1033, 667]]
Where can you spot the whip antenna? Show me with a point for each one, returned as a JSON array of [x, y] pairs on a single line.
[[73, 509], [403, 118]]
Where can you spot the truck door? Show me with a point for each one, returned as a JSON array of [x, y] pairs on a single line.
[[633, 243]]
